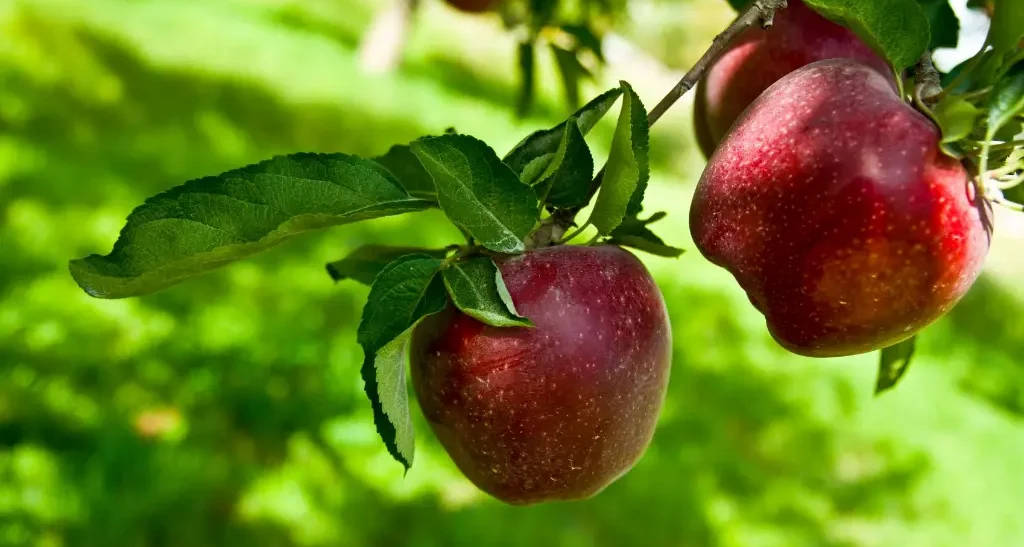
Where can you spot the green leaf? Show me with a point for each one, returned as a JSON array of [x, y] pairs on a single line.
[[634, 233], [477, 289], [527, 77], [586, 39], [566, 181], [945, 27], [1007, 26], [210, 222], [627, 170], [739, 5], [546, 141], [896, 29], [956, 118], [1006, 100], [479, 193], [893, 363], [571, 71], [404, 292], [406, 167], [364, 263]]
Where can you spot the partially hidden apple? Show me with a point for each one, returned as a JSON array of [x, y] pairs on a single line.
[[560, 410], [760, 57], [832, 205], [473, 6]]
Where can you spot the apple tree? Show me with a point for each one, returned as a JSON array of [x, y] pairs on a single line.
[[849, 190]]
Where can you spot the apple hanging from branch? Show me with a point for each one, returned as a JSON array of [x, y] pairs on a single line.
[[852, 212]]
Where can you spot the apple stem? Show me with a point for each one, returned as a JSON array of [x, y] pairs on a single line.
[[760, 12], [927, 85]]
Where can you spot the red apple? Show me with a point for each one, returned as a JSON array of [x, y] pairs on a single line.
[[758, 58], [560, 410], [834, 209], [473, 6]]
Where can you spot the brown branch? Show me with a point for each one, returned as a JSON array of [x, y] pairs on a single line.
[[927, 85], [760, 12]]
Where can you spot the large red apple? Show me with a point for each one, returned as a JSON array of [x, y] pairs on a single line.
[[473, 6], [833, 207], [760, 57], [560, 410]]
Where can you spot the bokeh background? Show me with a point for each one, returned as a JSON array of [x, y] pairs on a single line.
[[228, 410]]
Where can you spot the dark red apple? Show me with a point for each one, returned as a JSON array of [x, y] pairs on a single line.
[[833, 207], [758, 58], [560, 410], [473, 6]]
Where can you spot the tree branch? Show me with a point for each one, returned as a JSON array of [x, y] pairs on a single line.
[[927, 85], [760, 12]]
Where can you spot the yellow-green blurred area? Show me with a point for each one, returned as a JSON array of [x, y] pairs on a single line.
[[228, 410]]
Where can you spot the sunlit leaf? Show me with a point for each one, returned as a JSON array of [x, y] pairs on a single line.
[[545, 142], [627, 170], [210, 222], [404, 292], [364, 263], [896, 29], [1006, 100], [410, 173], [893, 363], [478, 192], [567, 179], [478, 290]]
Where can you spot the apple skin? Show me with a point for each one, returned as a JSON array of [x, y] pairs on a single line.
[[473, 6], [560, 410], [833, 207], [760, 57]]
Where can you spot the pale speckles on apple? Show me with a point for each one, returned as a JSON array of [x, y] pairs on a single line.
[[574, 401], [845, 224]]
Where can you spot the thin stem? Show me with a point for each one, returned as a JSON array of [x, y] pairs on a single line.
[[927, 85], [1003, 185], [975, 95], [574, 233], [760, 12]]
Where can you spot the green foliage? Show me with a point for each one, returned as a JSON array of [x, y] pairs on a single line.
[[478, 192], [1007, 26], [634, 233], [566, 180], [527, 66], [572, 73], [403, 164], [896, 29], [477, 289], [627, 170], [212, 221], [404, 292], [536, 150], [1006, 100], [957, 118], [893, 363], [364, 263], [228, 411], [943, 23]]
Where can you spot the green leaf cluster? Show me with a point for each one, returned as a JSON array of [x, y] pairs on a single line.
[[503, 206]]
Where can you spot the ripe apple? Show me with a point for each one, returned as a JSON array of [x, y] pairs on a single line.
[[473, 6], [560, 410], [834, 209], [759, 57]]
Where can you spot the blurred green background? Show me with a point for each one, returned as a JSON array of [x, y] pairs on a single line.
[[228, 410]]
